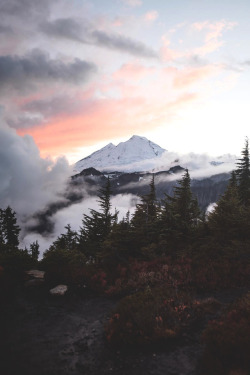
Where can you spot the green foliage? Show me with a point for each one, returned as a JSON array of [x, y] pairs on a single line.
[[34, 250], [9, 230], [243, 176], [230, 219], [144, 229], [63, 266], [180, 214], [97, 226], [227, 344], [67, 241]]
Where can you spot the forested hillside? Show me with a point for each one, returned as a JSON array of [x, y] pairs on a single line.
[[155, 262]]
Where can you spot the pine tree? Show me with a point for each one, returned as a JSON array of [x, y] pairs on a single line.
[[34, 250], [9, 230], [243, 175], [228, 220], [98, 224], [145, 216], [181, 211], [67, 241]]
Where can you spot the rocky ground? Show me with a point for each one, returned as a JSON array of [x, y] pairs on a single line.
[[43, 334]]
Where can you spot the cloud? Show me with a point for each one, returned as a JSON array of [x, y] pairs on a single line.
[[19, 71], [28, 182], [133, 72], [25, 9], [100, 122], [133, 3], [73, 215], [191, 75], [62, 105], [151, 16], [82, 31]]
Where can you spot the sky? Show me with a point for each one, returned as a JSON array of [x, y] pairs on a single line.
[[76, 75]]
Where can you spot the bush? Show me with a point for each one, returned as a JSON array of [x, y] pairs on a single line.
[[227, 343], [148, 317], [64, 267]]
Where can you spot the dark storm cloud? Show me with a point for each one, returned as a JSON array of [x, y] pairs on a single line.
[[67, 28], [18, 71]]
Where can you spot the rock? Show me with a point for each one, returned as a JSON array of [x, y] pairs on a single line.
[[36, 274], [59, 290]]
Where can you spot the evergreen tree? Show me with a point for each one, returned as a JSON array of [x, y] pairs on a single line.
[[228, 220], [67, 241], [98, 224], [243, 175], [144, 221], [34, 250], [181, 211], [9, 230]]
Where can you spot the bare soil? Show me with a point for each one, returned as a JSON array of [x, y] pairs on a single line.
[[45, 335]]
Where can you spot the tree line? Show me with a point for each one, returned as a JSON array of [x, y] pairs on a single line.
[[155, 229]]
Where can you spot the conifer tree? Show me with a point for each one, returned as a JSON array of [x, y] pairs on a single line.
[[67, 241], [144, 221], [229, 220], [243, 175], [34, 250], [98, 224], [9, 230], [181, 211]]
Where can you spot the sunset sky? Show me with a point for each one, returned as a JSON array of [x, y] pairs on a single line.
[[76, 75]]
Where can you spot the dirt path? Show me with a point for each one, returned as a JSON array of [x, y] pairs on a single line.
[[48, 336]]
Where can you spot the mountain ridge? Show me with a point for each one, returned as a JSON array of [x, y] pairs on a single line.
[[135, 150]]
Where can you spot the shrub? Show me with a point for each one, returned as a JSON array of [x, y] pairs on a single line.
[[148, 316], [64, 267], [227, 344]]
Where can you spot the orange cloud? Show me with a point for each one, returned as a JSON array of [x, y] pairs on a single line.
[[192, 75], [110, 119], [133, 72]]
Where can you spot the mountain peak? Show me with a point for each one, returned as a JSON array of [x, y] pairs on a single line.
[[135, 150]]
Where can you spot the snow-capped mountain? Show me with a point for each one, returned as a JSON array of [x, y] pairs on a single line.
[[132, 152]]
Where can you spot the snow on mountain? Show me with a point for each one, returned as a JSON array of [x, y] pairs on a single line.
[[135, 151]]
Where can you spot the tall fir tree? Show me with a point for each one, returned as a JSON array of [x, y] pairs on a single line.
[[98, 224], [9, 230], [243, 175], [229, 221], [181, 211], [144, 221]]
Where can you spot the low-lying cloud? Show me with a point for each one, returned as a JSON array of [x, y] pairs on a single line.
[[28, 182]]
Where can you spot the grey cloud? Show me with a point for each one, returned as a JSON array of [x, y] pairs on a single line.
[[67, 28], [5, 29], [19, 71], [28, 182], [62, 104], [24, 121], [24, 8], [122, 43]]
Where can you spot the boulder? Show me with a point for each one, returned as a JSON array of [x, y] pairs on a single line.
[[36, 274], [59, 290]]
